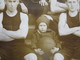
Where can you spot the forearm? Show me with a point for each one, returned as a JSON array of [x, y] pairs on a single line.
[[77, 33], [62, 5], [66, 31], [16, 34], [22, 31], [4, 37], [64, 28], [54, 8]]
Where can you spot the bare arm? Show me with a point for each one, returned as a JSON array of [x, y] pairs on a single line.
[[55, 8], [77, 33], [2, 4], [22, 31], [3, 37], [62, 5], [63, 27], [24, 8]]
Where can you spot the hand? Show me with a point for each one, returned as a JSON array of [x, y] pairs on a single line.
[[39, 51], [76, 28], [54, 50], [43, 2]]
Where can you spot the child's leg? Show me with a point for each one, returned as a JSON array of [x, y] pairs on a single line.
[[58, 56], [30, 56]]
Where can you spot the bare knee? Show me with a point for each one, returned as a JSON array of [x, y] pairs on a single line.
[[58, 56], [30, 56]]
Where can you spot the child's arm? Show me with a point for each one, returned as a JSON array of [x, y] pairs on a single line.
[[34, 41], [57, 41], [34, 46]]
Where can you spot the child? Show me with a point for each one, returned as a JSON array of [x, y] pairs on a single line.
[[44, 41]]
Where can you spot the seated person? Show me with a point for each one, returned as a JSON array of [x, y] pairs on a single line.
[[44, 41], [69, 32], [13, 32]]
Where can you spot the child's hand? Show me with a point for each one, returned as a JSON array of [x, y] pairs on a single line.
[[39, 51], [54, 50]]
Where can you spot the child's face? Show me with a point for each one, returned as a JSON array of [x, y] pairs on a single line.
[[42, 27]]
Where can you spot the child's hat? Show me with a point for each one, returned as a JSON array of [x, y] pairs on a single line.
[[44, 18]]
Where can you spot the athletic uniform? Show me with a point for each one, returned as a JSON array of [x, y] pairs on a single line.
[[71, 43], [16, 49]]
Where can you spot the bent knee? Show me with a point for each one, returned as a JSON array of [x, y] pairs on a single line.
[[30, 56], [58, 56]]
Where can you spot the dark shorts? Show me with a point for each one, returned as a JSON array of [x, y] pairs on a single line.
[[71, 50], [14, 50], [46, 56]]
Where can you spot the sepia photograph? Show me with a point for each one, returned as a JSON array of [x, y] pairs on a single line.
[[39, 29]]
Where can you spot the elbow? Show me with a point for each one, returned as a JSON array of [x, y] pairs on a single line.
[[61, 34], [23, 36]]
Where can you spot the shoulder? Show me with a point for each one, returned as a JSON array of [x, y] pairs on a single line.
[[63, 16]]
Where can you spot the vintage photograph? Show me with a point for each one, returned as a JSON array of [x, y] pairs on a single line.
[[39, 29]]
